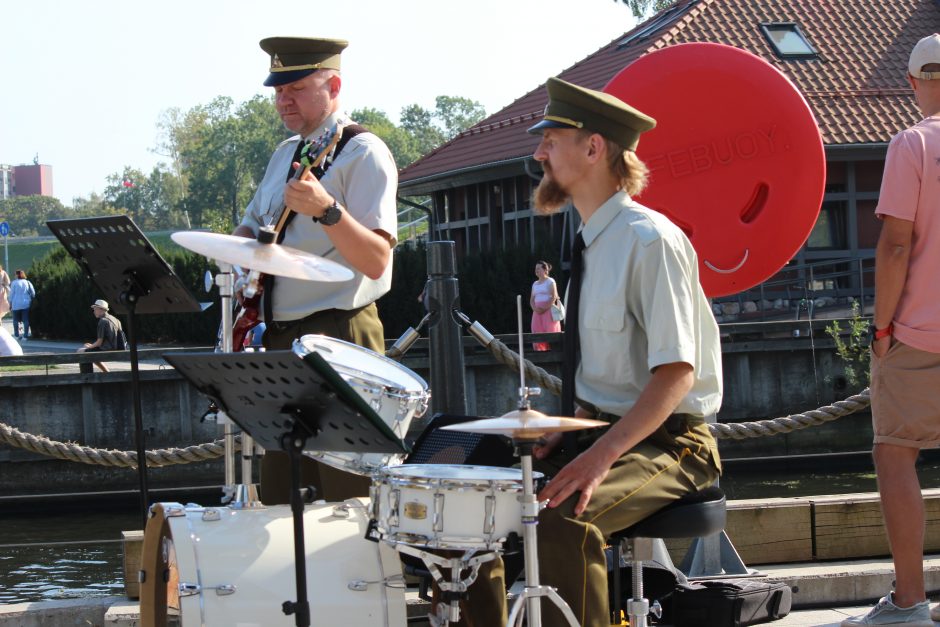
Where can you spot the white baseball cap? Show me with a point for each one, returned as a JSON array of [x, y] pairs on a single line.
[[101, 303], [926, 51]]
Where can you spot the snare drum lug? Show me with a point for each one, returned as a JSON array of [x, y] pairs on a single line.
[[394, 497], [225, 589], [358, 585], [489, 524], [341, 511], [211, 515], [438, 512], [189, 589], [175, 511]]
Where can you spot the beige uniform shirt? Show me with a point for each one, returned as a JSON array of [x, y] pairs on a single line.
[[364, 180], [642, 306]]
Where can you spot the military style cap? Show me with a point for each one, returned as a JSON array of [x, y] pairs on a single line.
[[292, 58], [571, 106]]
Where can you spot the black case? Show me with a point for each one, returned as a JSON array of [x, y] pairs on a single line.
[[730, 602]]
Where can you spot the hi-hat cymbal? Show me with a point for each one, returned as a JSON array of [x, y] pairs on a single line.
[[274, 259], [526, 424]]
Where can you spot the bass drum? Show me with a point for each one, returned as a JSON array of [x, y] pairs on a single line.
[[217, 566]]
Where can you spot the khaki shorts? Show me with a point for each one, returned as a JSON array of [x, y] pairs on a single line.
[[905, 397]]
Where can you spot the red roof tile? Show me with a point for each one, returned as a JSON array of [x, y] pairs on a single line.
[[856, 86]]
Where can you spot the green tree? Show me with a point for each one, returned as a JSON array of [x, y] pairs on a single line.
[[27, 215], [456, 114], [399, 141], [641, 8]]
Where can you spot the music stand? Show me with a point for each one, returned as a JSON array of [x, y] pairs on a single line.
[[134, 279], [283, 401]]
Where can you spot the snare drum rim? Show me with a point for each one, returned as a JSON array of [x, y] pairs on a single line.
[[399, 477], [300, 343]]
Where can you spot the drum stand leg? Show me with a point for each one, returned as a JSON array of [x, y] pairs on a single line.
[[532, 595], [293, 443], [455, 589]]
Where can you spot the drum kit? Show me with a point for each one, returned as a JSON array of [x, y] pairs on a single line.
[[231, 564]]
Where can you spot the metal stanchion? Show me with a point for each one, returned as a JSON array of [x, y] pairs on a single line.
[[445, 331]]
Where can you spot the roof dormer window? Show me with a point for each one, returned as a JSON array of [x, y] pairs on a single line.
[[788, 40]]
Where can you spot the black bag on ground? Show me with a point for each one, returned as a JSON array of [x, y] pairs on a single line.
[[730, 602]]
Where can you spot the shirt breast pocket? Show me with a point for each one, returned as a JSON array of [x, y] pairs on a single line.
[[604, 350]]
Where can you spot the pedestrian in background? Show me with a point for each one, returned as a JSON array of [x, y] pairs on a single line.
[[905, 334], [22, 294], [544, 294], [4, 292]]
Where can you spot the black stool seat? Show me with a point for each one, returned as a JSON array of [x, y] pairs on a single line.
[[695, 515]]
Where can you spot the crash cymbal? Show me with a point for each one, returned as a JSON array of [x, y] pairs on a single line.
[[525, 423], [273, 259]]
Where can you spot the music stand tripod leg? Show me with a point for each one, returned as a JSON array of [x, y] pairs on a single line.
[[293, 442]]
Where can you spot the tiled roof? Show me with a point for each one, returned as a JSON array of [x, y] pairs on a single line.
[[856, 86]]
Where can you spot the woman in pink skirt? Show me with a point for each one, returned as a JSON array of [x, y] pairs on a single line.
[[544, 293]]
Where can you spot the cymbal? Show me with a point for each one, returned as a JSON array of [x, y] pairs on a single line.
[[275, 259], [526, 424]]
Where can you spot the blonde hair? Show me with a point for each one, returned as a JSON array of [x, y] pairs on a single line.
[[626, 167]]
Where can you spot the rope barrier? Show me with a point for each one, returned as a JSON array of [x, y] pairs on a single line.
[[730, 430], [499, 350], [104, 457]]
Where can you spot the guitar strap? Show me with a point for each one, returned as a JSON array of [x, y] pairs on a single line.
[[349, 132]]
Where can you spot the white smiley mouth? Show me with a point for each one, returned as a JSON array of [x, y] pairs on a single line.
[[713, 268]]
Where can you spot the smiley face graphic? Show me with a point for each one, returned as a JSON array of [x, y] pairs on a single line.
[[736, 159]]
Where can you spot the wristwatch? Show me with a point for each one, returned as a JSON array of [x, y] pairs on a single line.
[[875, 334], [331, 216]]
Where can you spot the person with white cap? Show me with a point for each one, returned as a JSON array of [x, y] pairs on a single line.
[[110, 333], [905, 340]]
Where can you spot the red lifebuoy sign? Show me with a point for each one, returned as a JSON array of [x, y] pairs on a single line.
[[736, 158]]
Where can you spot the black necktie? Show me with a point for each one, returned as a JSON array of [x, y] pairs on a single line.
[[572, 341], [267, 281]]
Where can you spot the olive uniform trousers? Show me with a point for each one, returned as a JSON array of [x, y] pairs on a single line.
[[673, 461], [359, 326]]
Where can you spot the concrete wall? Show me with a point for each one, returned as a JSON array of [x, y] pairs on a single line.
[[764, 379]]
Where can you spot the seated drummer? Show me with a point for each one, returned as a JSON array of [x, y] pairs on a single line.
[[348, 215], [650, 361]]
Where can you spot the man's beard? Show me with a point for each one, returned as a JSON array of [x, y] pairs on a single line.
[[549, 197]]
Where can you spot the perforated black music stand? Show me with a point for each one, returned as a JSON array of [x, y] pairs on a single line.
[[135, 279], [284, 401]]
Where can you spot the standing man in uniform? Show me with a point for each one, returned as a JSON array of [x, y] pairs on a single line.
[[905, 348], [346, 214], [649, 363]]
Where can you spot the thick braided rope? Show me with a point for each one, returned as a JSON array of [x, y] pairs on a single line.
[[730, 430], [104, 457]]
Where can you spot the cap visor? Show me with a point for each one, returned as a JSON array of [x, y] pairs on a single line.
[[537, 129], [282, 78]]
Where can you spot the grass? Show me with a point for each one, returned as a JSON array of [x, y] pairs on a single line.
[[23, 252]]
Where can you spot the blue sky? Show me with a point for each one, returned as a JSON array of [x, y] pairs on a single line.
[[85, 82]]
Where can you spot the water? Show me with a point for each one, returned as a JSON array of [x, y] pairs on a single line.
[[78, 555], [63, 556]]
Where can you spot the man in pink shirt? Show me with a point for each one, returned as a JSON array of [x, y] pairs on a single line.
[[905, 370]]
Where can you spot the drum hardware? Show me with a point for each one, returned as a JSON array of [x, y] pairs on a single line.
[[411, 335], [454, 590], [526, 426], [306, 400]]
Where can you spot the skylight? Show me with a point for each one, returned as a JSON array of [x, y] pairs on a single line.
[[788, 40]]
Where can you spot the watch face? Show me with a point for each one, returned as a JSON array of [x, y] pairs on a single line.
[[332, 215]]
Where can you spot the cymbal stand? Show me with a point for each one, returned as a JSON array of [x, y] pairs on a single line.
[[245, 494], [532, 595], [454, 590]]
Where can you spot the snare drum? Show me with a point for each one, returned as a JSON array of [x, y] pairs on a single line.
[[217, 566], [441, 506], [395, 393]]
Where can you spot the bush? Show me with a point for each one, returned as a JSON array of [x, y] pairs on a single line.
[[488, 283]]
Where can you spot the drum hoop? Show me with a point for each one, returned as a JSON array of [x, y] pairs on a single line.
[[368, 354], [453, 485], [388, 388], [445, 542]]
